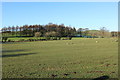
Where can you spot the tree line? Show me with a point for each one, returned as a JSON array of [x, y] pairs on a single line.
[[54, 30], [44, 30]]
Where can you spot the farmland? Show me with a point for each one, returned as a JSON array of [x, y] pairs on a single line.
[[76, 58]]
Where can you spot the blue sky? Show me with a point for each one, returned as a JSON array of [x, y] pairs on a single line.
[[92, 15]]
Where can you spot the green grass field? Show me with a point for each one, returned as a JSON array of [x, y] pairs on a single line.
[[76, 58]]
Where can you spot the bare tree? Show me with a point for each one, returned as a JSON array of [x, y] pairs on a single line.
[[17, 27], [80, 31], [37, 34], [104, 32]]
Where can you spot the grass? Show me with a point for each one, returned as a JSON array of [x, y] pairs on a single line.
[[77, 58]]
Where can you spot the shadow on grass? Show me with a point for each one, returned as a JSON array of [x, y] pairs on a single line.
[[7, 51], [14, 43], [102, 78], [14, 55]]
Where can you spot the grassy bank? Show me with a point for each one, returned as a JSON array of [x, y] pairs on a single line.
[[76, 58]]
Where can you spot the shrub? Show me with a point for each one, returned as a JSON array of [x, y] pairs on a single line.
[[9, 40], [69, 38], [43, 39], [59, 38], [64, 39], [47, 38], [55, 38], [4, 39], [21, 40], [30, 39]]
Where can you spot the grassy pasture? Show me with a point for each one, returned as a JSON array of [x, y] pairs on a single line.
[[76, 58]]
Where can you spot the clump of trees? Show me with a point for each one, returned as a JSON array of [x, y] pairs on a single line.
[[102, 33], [115, 34], [83, 32], [52, 30]]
